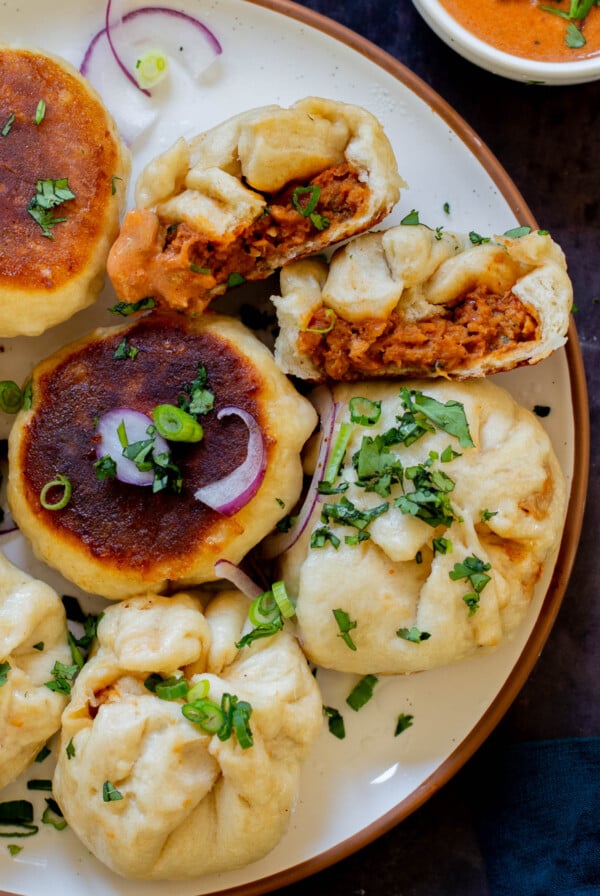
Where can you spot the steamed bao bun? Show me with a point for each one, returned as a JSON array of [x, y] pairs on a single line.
[[394, 579], [192, 804], [30, 613]]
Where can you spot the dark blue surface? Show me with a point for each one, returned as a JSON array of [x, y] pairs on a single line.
[[477, 836]]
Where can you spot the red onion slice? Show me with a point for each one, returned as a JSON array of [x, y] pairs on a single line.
[[132, 33], [230, 494], [225, 569], [133, 112], [128, 34], [136, 426], [322, 399]]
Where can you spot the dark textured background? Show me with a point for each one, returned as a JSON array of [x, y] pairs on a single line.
[[548, 139]]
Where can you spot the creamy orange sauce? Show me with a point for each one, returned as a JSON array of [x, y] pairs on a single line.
[[522, 28]]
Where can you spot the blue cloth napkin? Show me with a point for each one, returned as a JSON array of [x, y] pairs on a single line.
[[537, 814]]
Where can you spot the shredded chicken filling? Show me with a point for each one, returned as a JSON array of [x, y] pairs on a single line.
[[480, 324]]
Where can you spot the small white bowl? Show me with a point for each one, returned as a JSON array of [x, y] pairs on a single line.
[[483, 54]]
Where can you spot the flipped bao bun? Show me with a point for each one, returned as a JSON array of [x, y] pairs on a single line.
[[31, 613], [117, 539], [507, 495], [45, 279], [411, 301], [192, 804], [265, 187]]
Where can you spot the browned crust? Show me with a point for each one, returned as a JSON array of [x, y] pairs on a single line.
[[128, 527], [74, 140]]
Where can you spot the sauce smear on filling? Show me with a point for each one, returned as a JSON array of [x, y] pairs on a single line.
[[523, 28]]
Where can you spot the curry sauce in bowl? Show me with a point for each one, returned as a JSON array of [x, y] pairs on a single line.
[[534, 41]]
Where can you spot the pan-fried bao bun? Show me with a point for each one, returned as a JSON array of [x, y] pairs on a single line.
[[63, 182], [235, 203], [433, 549], [33, 637], [116, 535], [150, 792], [420, 302]]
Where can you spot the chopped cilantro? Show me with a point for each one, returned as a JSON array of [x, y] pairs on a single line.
[[127, 308], [474, 571], [335, 722], [411, 219], [413, 634], [403, 722], [345, 625]]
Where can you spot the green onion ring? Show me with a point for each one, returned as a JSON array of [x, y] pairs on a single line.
[[364, 411], [11, 397], [171, 688], [175, 424], [60, 482], [198, 691], [286, 607], [337, 455], [263, 609], [206, 714]]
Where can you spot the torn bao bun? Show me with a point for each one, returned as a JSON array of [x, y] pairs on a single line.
[[33, 637], [118, 538], [189, 802], [501, 502], [263, 188], [418, 302], [53, 257]]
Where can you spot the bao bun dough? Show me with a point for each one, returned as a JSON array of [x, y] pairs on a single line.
[[221, 203], [192, 804], [46, 279], [30, 613], [412, 279], [511, 472], [116, 539]]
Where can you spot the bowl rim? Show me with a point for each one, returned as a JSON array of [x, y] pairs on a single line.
[[485, 54]]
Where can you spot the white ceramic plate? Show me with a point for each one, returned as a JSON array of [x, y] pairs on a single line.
[[352, 790]]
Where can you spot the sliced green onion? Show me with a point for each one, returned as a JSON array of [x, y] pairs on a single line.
[[263, 609], [39, 784], [110, 794], [11, 397], [40, 112], [172, 688], [70, 749], [60, 482], [241, 712], [151, 68], [44, 752], [313, 192], [364, 411], [206, 714], [198, 691], [337, 455], [175, 424], [17, 814], [235, 279], [322, 331], [53, 816], [362, 692], [286, 607]]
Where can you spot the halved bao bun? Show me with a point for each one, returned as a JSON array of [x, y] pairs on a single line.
[[507, 496], [31, 613], [263, 188], [192, 804], [116, 539], [46, 279], [418, 302]]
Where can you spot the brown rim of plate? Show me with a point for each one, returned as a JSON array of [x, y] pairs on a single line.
[[574, 519]]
